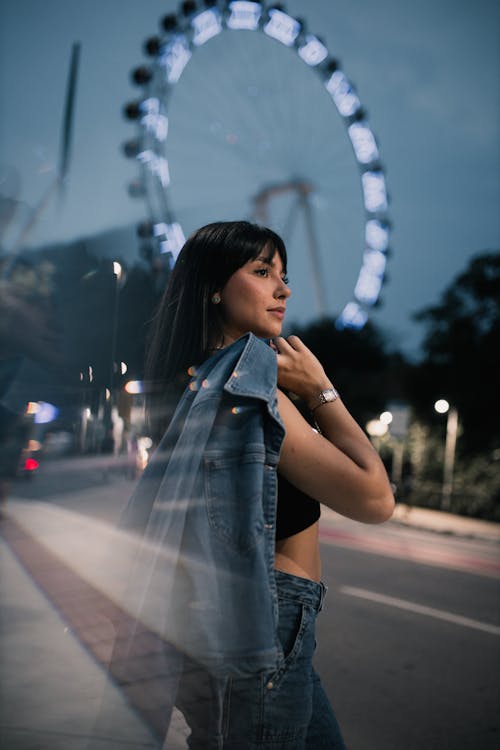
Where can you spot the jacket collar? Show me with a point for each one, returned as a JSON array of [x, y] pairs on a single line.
[[255, 372], [247, 367]]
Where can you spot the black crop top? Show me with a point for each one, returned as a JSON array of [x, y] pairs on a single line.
[[296, 511]]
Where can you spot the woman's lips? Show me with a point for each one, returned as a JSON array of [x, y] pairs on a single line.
[[279, 312]]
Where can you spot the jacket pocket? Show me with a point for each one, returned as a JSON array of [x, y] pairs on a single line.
[[233, 490]]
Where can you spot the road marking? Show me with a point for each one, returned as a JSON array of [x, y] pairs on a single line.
[[420, 609]]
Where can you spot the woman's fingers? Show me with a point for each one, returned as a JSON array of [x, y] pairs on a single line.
[[299, 370], [289, 344], [296, 343]]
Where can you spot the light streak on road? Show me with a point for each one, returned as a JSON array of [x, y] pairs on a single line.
[[420, 609], [435, 551]]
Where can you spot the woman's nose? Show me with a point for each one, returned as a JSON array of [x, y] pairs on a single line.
[[284, 290]]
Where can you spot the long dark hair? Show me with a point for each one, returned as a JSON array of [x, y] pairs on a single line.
[[187, 321]]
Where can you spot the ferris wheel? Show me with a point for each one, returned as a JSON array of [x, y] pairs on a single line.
[[242, 124]]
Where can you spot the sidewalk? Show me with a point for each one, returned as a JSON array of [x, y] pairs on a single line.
[[57, 633], [446, 523], [50, 686]]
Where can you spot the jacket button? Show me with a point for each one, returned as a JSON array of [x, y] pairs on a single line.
[[269, 685]]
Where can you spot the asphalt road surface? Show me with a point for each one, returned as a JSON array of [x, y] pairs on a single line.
[[407, 652]]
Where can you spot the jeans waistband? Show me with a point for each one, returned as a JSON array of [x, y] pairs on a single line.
[[300, 589]]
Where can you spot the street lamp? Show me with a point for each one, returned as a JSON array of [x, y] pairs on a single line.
[[396, 418], [108, 405], [442, 407]]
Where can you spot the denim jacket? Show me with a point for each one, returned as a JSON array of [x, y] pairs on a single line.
[[207, 505]]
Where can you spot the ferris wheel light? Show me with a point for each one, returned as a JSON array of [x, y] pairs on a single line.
[[363, 141], [345, 98], [157, 165], [206, 25], [313, 52], [153, 120], [367, 287], [352, 316], [174, 56], [159, 229], [374, 191], [375, 262], [377, 235], [282, 27], [150, 106], [174, 241], [244, 15], [157, 125]]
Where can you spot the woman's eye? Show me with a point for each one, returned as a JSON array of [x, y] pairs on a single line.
[[286, 280], [265, 272]]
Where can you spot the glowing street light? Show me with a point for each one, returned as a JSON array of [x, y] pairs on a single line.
[[134, 387], [442, 407], [386, 417], [376, 428]]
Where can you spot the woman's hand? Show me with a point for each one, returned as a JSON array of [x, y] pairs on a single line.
[[339, 467], [299, 370]]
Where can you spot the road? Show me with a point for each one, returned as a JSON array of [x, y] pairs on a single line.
[[409, 639], [403, 678]]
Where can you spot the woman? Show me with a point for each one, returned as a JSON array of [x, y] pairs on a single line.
[[229, 286]]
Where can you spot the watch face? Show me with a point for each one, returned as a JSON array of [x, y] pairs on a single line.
[[328, 395]]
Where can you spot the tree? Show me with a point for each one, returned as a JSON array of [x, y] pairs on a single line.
[[461, 347]]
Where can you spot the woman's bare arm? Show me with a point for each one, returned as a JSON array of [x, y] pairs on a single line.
[[339, 467]]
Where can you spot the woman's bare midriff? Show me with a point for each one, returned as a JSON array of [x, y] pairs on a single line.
[[299, 554]]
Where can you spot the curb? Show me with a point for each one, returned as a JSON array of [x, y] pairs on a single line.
[[441, 522]]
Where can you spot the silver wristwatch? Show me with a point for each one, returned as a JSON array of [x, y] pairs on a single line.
[[330, 394]]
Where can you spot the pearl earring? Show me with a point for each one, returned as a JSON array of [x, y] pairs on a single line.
[[216, 298]]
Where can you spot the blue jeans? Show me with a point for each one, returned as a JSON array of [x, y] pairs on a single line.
[[285, 710]]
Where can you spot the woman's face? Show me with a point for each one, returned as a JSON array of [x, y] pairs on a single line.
[[254, 299]]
